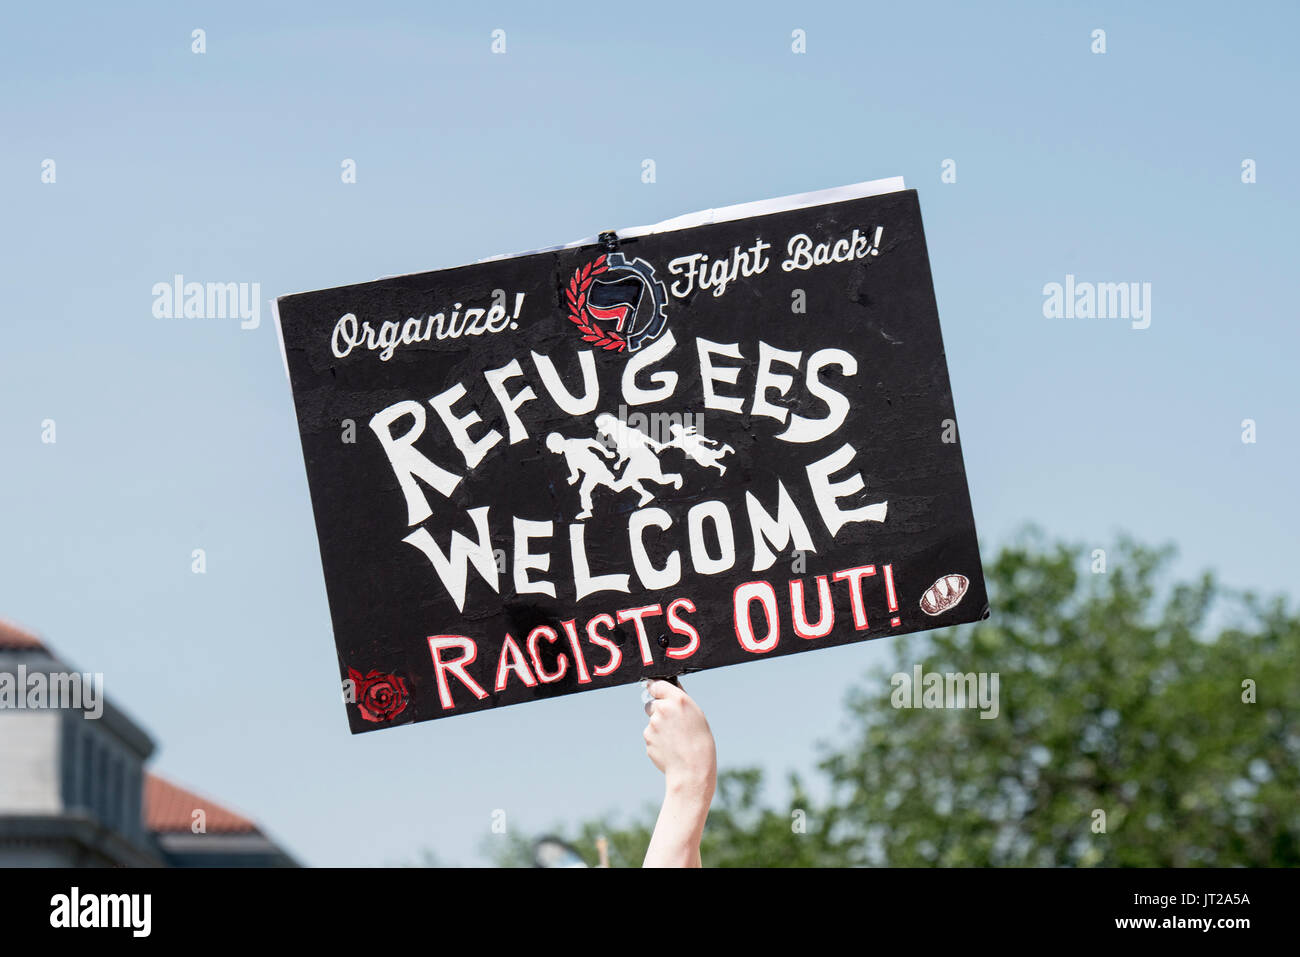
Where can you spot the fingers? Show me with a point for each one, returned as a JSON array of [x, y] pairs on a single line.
[[665, 689], [659, 691]]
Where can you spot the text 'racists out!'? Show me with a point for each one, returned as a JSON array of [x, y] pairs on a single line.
[[544, 653]]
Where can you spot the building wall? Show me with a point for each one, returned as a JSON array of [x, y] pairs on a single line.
[[101, 777], [72, 793], [222, 850], [71, 787], [52, 856], [29, 757]]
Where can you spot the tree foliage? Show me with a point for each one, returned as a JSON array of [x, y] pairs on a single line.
[[1166, 713]]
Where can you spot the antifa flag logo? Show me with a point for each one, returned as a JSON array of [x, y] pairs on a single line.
[[617, 305]]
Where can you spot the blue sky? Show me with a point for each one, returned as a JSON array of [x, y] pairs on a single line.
[[174, 435]]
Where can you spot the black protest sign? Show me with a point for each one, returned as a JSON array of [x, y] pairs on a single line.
[[638, 457]]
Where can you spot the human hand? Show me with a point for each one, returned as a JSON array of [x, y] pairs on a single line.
[[678, 739]]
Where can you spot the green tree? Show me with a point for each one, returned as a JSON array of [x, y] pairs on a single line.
[[1173, 709]]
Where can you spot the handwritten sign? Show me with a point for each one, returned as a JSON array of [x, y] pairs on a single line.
[[637, 457]]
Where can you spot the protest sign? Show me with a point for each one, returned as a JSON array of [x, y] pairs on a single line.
[[725, 439]]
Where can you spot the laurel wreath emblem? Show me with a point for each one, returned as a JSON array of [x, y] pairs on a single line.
[[576, 293]]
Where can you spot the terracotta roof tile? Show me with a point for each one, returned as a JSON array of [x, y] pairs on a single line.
[[14, 638], [168, 808]]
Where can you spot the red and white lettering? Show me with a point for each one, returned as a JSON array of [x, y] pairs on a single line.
[[744, 595], [596, 638], [681, 626], [512, 659], [636, 615], [571, 629], [854, 577], [826, 609], [456, 667], [542, 631], [891, 594]]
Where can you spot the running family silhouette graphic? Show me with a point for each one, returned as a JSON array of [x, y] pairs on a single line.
[[636, 453]]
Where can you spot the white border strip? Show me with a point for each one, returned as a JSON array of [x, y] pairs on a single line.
[[707, 217], [279, 335]]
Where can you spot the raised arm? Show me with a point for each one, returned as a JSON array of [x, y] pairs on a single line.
[[680, 744]]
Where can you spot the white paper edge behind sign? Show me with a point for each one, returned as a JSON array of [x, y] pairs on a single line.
[[762, 207]]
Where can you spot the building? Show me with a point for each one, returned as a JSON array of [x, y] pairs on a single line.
[[75, 792]]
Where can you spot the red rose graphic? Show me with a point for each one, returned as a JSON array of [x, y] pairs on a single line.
[[379, 697]]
